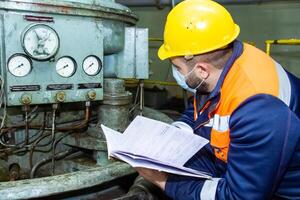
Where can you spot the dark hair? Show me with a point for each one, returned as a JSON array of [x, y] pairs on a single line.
[[217, 58]]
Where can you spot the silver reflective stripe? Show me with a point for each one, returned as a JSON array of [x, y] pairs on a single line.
[[209, 189], [221, 123], [284, 85], [210, 123]]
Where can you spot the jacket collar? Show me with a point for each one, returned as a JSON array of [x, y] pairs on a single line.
[[237, 51], [214, 97]]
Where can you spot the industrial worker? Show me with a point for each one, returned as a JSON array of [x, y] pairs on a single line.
[[245, 104]]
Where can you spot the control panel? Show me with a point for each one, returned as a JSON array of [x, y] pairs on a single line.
[[51, 59]]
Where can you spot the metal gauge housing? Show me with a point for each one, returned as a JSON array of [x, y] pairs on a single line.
[[92, 65], [19, 65], [40, 42], [66, 66]]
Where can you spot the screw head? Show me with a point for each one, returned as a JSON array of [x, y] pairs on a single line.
[[60, 97], [92, 95], [26, 99]]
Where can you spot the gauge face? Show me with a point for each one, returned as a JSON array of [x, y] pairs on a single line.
[[19, 65], [92, 65], [66, 66], [40, 42]]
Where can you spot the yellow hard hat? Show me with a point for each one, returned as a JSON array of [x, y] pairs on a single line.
[[196, 27]]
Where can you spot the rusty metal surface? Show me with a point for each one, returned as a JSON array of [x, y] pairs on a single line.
[[114, 112], [106, 11], [43, 187], [85, 141]]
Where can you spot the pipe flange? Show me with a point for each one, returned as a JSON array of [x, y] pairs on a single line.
[[117, 99]]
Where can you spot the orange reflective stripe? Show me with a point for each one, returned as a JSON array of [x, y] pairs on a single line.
[[195, 109], [206, 106]]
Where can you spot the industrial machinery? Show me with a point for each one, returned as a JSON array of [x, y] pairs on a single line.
[[62, 64]]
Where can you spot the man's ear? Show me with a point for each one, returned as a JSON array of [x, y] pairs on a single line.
[[203, 70]]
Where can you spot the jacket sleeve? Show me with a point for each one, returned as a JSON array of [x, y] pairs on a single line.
[[257, 158], [186, 120]]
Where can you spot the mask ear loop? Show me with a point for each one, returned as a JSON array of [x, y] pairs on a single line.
[[187, 75], [200, 84]]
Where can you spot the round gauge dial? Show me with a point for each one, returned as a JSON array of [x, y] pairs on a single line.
[[92, 65], [40, 41], [19, 65], [66, 66]]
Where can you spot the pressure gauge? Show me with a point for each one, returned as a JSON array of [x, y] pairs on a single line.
[[92, 65], [40, 42], [19, 65], [66, 66]]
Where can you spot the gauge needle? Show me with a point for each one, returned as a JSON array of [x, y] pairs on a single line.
[[63, 67], [18, 66], [37, 35], [90, 65]]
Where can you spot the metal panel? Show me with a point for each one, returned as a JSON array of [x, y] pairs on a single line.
[[73, 42], [160, 3], [91, 8], [126, 64], [133, 60], [142, 51]]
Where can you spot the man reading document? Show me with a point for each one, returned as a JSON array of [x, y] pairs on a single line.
[[245, 104]]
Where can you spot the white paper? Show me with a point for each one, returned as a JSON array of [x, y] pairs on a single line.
[[112, 138], [160, 167], [152, 144]]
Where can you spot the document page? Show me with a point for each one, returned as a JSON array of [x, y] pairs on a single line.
[[113, 138], [140, 162], [154, 143], [161, 141]]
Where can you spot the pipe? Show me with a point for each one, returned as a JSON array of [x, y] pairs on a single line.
[[62, 127], [54, 106], [141, 97], [81, 124], [156, 40], [58, 156], [33, 147], [173, 3], [284, 41], [151, 82], [26, 109], [280, 42], [53, 146], [159, 3], [52, 185]]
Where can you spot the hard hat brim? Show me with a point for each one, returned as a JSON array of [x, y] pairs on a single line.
[[163, 54]]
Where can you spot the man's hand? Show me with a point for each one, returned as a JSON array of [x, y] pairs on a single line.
[[156, 177]]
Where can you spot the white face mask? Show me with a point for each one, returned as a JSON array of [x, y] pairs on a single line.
[[181, 80]]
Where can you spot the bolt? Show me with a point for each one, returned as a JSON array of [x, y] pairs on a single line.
[[26, 99], [92, 95], [60, 97]]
